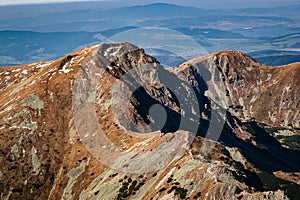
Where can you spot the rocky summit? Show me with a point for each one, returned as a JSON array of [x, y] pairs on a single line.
[[110, 122]]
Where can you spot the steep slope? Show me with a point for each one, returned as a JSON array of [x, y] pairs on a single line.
[[109, 122], [255, 91], [262, 108]]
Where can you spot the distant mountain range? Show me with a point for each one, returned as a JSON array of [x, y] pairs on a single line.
[[39, 36], [20, 47]]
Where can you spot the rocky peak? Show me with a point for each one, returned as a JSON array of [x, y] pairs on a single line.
[[253, 91]]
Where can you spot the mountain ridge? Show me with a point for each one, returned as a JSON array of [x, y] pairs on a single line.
[[47, 118]]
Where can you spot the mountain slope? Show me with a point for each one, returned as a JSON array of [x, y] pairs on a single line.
[[82, 127], [249, 85]]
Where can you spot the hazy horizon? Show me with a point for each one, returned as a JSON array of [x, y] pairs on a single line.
[[197, 3]]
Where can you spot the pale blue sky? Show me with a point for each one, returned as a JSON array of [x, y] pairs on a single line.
[[10, 2]]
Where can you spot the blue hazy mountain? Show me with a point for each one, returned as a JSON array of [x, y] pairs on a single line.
[[49, 34], [19, 47], [167, 15], [276, 57], [93, 20]]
